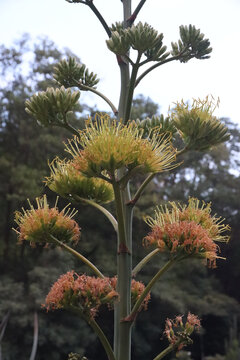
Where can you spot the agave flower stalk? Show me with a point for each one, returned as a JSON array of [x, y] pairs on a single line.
[[106, 155]]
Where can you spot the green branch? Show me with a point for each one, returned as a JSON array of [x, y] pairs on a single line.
[[110, 217], [169, 349], [131, 87], [78, 256], [144, 261], [70, 128], [98, 331], [154, 67], [147, 289], [141, 189], [89, 88], [132, 18], [96, 12]]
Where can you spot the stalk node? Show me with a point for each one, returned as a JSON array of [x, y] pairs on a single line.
[[123, 249]]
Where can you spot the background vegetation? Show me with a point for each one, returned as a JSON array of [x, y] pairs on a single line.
[[27, 274]]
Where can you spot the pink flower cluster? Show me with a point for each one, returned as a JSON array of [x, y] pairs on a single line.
[[187, 230], [88, 293], [178, 333], [184, 237]]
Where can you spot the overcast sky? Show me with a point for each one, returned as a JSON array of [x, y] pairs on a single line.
[[74, 26]]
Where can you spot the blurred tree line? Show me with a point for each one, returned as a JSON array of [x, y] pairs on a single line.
[[28, 273]]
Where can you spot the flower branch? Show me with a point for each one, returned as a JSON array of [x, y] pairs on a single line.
[[154, 67], [96, 12], [131, 87], [132, 18], [141, 189], [78, 256], [166, 351], [89, 88], [144, 261], [147, 289], [98, 331], [110, 217]]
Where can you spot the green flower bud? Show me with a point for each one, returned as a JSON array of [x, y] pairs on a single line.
[[192, 44], [159, 123], [52, 106], [143, 37], [69, 73], [119, 42]]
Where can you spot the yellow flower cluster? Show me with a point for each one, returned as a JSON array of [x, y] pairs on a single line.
[[196, 124], [106, 145], [38, 225], [66, 180]]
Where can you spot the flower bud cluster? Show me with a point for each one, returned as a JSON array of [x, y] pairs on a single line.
[[52, 106], [38, 225], [192, 44], [70, 73], [187, 230], [178, 333], [141, 37]]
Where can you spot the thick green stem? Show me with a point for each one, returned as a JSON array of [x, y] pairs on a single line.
[[78, 256], [122, 341], [122, 331], [147, 289], [97, 330], [144, 261]]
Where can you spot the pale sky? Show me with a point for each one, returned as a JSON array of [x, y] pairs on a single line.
[[74, 26]]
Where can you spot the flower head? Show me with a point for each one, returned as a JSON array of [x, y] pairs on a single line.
[[187, 230], [85, 292], [178, 333], [37, 225], [67, 180], [106, 145], [197, 125]]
